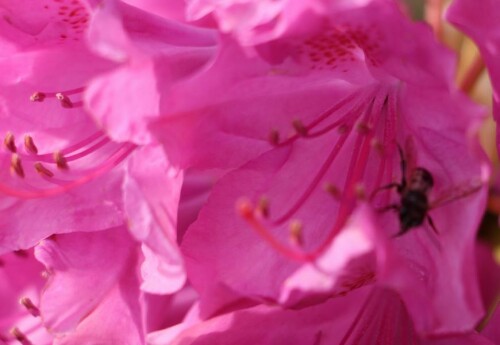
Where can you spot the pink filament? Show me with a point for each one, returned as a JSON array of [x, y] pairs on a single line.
[[116, 158]]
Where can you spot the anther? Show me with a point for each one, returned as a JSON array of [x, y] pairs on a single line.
[[45, 274], [360, 191], [296, 237], [299, 128], [342, 129], [363, 128], [39, 168], [21, 253], [37, 97], [274, 137], [245, 208], [263, 207], [10, 142], [30, 306], [332, 190], [60, 160], [16, 332], [16, 166], [377, 145], [65, 101], [29, 144]]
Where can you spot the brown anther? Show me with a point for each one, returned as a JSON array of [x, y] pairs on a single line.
[[263, 207], [10, 142], [37, 96], [29, 144], [60, 160], [65, 101], [363, 128], [20, 337], [30, 306], [377, 145], [342, 129], [296, 233], [274, 137], [299, 128], [15, 165], [360, 191], [39, 168], [21, 253], [244, 208], [332, 190]]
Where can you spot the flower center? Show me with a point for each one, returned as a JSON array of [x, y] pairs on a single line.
[[339, 46], [362, 129]]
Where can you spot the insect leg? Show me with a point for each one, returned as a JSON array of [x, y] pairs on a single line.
[[394, 207], [387, 186], [433, 226], [403, 169]]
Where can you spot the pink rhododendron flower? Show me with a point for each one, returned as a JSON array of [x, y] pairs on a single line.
[[50, 144], [240, 172], [330, 111]]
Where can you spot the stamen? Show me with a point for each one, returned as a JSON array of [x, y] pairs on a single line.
[[20, 337], [363, 128], [65, 101], [263, 207], [63, 185], [244, 208], [29, 144], [37, 96], [274, 137], [332, 190], [60, 161], [360, 191], [246, 211], [30, 306], [296, 237], [299, 128], [39, 168], [16, 166], [321, 173], [377, 146], [21, 253], [342, 129], [10, 142]]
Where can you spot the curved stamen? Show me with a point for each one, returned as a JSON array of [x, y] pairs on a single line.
[[359, 95], [116, 158], [354, 176], [317, 179], [347, 120], [373, 114], [49, 157], [246, 211]]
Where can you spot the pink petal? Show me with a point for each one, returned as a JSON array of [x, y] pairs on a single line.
[[90, 273], [151, 194]]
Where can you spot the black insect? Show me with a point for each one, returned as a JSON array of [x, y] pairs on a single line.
[[414, 204]]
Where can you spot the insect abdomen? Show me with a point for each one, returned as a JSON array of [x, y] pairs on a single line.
[[414, 207]]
